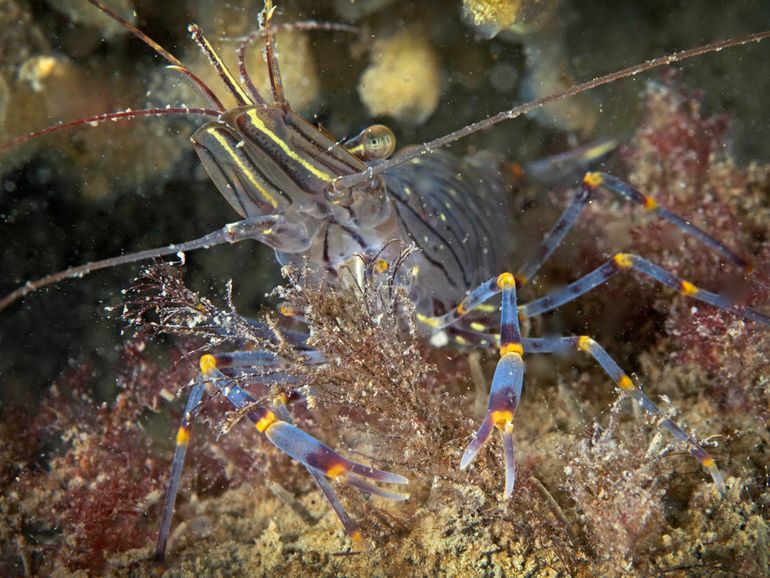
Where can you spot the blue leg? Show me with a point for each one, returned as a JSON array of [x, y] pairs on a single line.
[[634, 263], [631, 194], [582, 196], [626, 384], [182, 441], [326, 488], [319, 459], [505, 392]]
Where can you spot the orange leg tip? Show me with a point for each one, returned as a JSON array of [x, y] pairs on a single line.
[[501, 419], [688, 288], [266, 421], [182, 436], [593, 180], [336, 471], [623, 260], [511, 348], [625, 382], [650, 203], [584, 343], [208, 363], [506, 281]]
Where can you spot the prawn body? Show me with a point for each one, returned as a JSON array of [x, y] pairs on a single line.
[[322, 204], [270, 164], [458, 213]]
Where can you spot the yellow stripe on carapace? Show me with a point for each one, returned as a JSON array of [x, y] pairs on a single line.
[[593, 180], [266, 421], [260, 125], [625, 382], [208, 363], [182, 436], [708, 462], [501, 418], [506, 281], [511, 348], [585, 343], [688, 288], [624, 260], [269, 198], [336, 470], [650, 203]]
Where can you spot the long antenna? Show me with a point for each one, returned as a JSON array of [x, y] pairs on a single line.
[[346, 182], [176, 64], [246, 41], [120, 115], [138, 33], [273, 69]]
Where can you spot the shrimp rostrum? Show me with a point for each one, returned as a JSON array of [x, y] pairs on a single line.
[[321, 204]]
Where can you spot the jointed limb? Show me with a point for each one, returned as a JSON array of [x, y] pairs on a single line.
[[274, 422], [625, 383], [272, 230], [505, 392], [583, 195], [626, 261], [507, 382], [182, 441]]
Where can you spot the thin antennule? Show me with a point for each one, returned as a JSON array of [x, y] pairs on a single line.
[[121, 115], [346, 182], [305, 25], [272, 60], [216, 61], [245, 78], [176, 64], [138, 33]]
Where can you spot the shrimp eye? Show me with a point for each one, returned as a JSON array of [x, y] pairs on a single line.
[[374, 143], [379, 142]]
